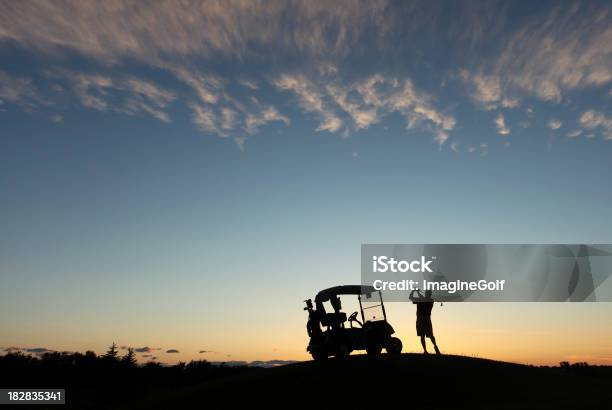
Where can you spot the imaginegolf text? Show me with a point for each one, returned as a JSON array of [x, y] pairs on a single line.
[[450, 287]]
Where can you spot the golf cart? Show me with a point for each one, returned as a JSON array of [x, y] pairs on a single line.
[[330, 337]]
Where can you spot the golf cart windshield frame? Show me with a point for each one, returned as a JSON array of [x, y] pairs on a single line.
[[358, 290]]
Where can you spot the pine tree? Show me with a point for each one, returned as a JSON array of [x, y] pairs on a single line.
[[111, 353], [129, 359]]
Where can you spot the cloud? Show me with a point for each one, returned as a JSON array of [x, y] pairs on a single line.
[[92, 89], [179, 42], [500, 124], [264, 116], [271, 363], [554, 124], [151, 91], [365, 102], [39, 350], [205, 118], [128, 95], [148, 98], [330, 123], [235, 118], [565, 48], [229, 117], [363, 113], [231, 363], [256, 363], [110, 32], [592, 119], [310, 99], [486, 89], [509, 102], [545, 54], [240, 142], [253, 85], [58, 119], [415, 106], [172, 351], [16, 89], [145, 349], [574, 133], [207, 87]]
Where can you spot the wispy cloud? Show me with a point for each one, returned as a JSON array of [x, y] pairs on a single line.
[[145, 349], [264, 116], [500, 124], [544, 55], [58, 119], [205, 118], [271, 363], [229, 118], [112, 31], [92, 90], [486, 89], [564, 49], [128, 95], [554, 124], [596, 120], [364, 102], [207, 87], [310, 99], [251, 84], [16, 88]]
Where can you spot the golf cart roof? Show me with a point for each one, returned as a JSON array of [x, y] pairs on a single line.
[[328, 293]]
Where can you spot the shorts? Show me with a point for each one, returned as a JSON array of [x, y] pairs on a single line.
[[423, 326]]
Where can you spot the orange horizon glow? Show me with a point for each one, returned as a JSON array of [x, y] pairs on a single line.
[[526, 333]]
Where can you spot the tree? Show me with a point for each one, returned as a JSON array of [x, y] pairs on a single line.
[[111, 353], [129, 359]]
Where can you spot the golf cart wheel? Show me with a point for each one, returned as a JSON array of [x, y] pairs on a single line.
[[373, 349], [319, 356], [394, 346], [343, 352]]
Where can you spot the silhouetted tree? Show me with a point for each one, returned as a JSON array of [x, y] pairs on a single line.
[[129, 359], [89, 375], [111, 353]]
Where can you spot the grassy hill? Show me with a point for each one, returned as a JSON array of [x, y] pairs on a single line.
[[410, 381]]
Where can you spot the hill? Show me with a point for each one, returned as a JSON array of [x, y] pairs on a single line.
[[410, 380]]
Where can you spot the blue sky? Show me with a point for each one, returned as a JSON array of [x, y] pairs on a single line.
[[158, 160]]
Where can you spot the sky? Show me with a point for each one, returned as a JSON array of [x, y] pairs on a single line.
[[181, 176]]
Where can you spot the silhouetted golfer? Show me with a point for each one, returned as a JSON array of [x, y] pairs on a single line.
[[423, 322]]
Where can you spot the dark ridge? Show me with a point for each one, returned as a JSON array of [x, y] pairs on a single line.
[[411, 380]]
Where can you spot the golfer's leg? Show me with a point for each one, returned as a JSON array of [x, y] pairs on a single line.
[[423, 343], [433, 340]]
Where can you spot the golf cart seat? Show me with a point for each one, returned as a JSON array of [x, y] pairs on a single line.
[[333, 319]]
